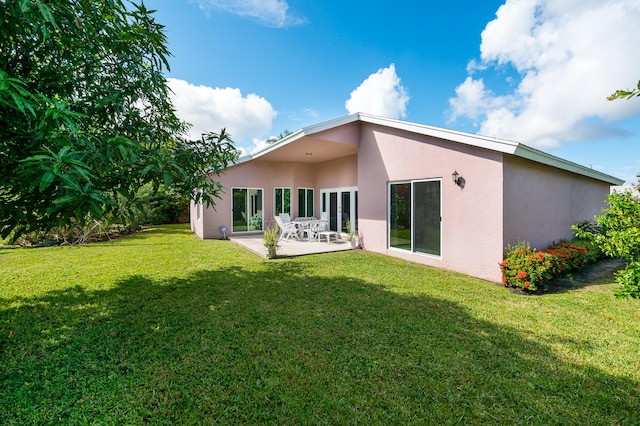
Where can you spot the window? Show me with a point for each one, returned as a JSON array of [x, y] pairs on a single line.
[[247, 209], [281, 201], [414, 216], [305, 202]]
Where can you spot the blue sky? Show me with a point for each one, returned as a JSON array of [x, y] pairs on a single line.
[[534, 71]]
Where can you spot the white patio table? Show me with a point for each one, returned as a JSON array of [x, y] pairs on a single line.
[[311, 228], [302, 223]]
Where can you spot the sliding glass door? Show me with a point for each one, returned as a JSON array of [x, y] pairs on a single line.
[[415, 216], [247, 209]]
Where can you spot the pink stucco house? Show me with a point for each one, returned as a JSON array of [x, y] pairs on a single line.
[[394, 181]]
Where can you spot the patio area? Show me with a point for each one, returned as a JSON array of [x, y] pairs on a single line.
[[291, 247]]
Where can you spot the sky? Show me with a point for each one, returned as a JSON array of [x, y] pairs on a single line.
[[532, 71]]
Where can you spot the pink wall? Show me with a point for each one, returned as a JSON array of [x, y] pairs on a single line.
[[266, 176], [503, 197], [541, 202], [471, 217], [338, 173]]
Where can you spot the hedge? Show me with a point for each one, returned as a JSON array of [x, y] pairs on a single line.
[[530, 269]]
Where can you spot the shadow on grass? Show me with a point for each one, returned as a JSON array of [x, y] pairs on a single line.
[[602, 272], [283, 346]]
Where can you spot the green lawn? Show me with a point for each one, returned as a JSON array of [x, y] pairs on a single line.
[[161, 328]]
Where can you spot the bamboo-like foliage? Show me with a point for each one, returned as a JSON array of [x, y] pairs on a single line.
[[86, 115]]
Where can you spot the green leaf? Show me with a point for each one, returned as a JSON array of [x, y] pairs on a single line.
[[167, 178], [46, 14], [46, 180], [70, 183], [25, 5], [65, 199]]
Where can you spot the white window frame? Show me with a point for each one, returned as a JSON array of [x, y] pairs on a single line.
[[413, 221], [324, 192], [248, 188], [306, 207], [274, 199]]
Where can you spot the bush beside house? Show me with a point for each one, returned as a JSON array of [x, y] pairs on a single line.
[[530, 269], [617, 233]]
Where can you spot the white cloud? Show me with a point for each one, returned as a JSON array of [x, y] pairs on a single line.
[[272, 13], [570, 55], [210, 109], [260, 144], [380, 94], [312, 112]]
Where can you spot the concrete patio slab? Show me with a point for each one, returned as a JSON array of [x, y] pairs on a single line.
[[290, 248]]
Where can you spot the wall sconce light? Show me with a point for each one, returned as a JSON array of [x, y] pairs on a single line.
[[456, 177], [308, 154]]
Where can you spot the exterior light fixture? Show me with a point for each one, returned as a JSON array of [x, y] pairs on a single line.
[[223, 229], [456, 177], [308, 154]]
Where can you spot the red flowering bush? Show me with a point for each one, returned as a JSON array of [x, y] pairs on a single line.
[[529, 268]]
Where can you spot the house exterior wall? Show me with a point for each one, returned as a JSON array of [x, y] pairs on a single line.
[[471, 216], [503, 197], [338, 173], [266, 176], [542, 202]]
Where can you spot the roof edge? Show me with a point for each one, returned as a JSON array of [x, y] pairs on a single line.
[[501, 145], [298, 134], [533, 154], [495, 144]]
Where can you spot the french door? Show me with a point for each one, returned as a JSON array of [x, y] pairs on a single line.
[[340, 206]]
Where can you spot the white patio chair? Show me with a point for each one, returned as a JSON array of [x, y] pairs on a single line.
[[324, 217], [285, 217], [287, 230], [314, 228]]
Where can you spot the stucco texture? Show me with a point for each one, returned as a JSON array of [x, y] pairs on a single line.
[[541, 202], [471, 215], [502, 197]]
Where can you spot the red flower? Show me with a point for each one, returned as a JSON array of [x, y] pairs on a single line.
[[527, 284], [521, 274], [504, 280]]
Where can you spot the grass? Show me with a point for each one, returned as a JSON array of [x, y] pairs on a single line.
[[161, 328]]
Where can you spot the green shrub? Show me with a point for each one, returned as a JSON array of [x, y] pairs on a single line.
[[629, 280], [530, 269], [162, 206], [271, 239], [617, 234]]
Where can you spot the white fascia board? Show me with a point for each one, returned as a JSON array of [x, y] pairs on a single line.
[[298, 134], [331, 124], [486, 142], [272, 147], [533, 154], [494, 144]]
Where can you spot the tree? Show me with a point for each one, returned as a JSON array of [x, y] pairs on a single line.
[[622, 94], [86, 116]]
